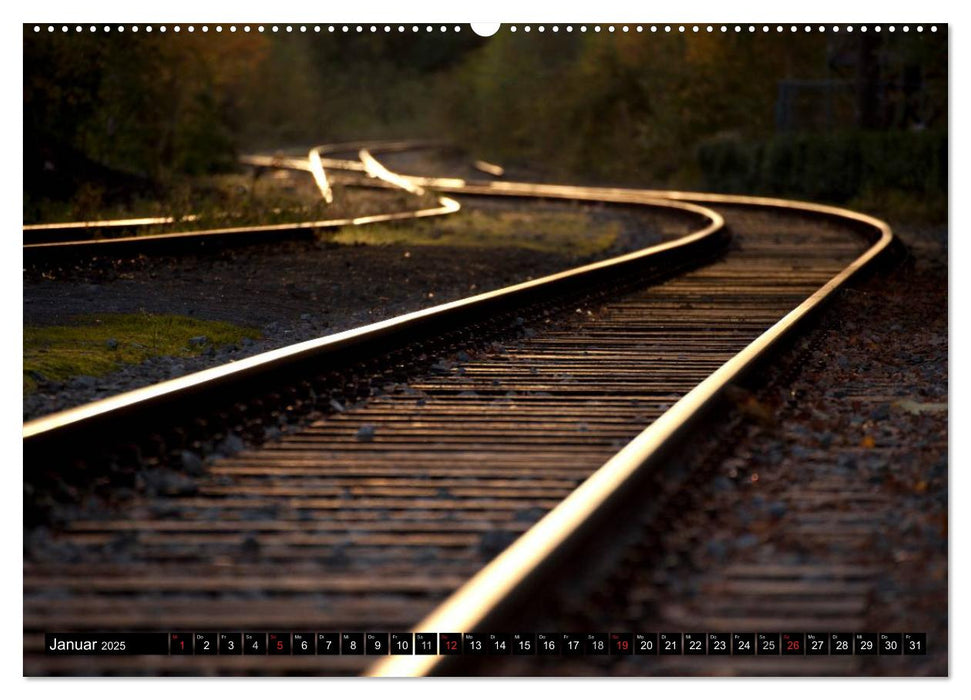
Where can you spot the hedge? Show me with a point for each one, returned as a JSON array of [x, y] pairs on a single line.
[[833, 167]]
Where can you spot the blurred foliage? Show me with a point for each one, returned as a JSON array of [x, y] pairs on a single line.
[[620, 106], [342, 87], [151, 104], [832, 167], [631, 108]]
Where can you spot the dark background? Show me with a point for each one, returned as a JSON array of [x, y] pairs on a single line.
[[856, 118]]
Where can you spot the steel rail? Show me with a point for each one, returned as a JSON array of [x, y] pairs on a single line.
[[108, 223], [489, 168], [320, 176], [508, 580], [369, 166], [358, 166], [314, 164], [84, 422], [375, 169], [446, 206], [505, 581]]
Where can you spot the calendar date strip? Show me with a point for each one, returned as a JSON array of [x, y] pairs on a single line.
[[485, 643]]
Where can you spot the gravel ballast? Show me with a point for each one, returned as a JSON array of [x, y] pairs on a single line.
[[292, 291]]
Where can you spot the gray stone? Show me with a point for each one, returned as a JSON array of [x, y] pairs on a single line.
[[85, 382], [231, 445], [163, 481], [365, 433], [191, 463], [440, 367]]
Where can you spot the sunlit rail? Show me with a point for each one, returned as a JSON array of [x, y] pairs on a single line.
[[777, 300]]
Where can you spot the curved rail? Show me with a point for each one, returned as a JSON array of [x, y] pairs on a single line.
[[314, 164], [487, 594], [108, 223], [508, 579], [88, 419], [446, 206]]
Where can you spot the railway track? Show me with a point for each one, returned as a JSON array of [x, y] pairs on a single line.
[[431, 470], [135, 236], [766, 524]]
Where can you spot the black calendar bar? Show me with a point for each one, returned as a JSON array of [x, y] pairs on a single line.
[[281, 643]]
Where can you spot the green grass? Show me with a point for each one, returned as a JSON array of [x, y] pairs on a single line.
[[98, 344], [572, 234]]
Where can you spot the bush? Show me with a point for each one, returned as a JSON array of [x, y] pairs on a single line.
[[834, 167]]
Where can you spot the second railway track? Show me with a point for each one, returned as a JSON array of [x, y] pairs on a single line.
[[368, 518]]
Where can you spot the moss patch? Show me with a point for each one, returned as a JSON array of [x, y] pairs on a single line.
[[572, 234], [98, 344]]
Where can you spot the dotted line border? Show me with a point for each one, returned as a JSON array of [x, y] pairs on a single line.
[[513, 28]]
